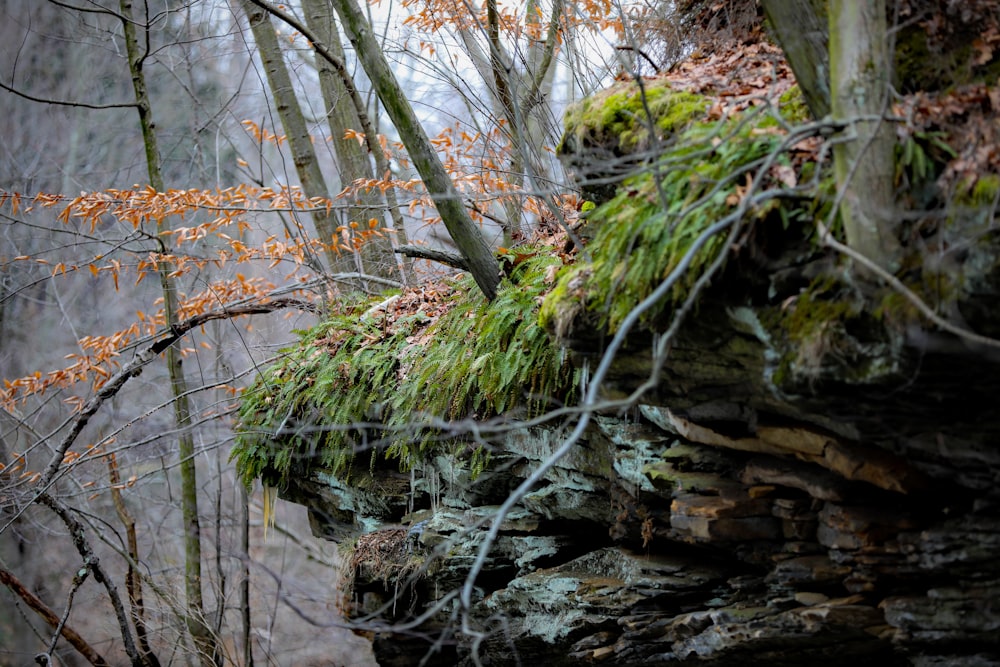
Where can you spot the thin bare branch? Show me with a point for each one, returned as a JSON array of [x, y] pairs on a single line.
[[39, 607], [68, 103], [903, 290], [91, 561], [449, 258], [135, 366]]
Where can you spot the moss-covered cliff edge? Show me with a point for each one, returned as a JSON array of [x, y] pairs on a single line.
[[812, 476]]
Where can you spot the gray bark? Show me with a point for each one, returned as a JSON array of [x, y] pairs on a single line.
[[801, 29], [201, 633], [467, 236], [860, 66], [292, 120], [377, 255]]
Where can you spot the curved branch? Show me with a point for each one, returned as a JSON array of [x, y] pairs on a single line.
[[449, 258], [66, 103], [903, 290], [93, 562], [39, 607], [367, 277]]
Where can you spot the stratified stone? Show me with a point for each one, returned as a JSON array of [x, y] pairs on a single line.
[[969, 615]]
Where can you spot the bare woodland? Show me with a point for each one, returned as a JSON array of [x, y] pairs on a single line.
[[288, 175], [185, 187]]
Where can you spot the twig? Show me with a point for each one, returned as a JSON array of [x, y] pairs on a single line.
[[39, 607], [78, 579], [135, 366], [76, 530], [906, 292], [67, 103]]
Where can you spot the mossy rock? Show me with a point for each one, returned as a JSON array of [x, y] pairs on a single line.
[[620, 117], [609, 132], [658, 222], [385, 386]]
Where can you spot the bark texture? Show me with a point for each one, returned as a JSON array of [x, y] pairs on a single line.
[[860, 70], [464, 232], [294, 124], [801, 29], [201, 633], [377, 256]]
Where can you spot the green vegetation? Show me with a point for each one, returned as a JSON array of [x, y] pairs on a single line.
[[408, 375], [619, 117], [643, 233], [984, 191], [479, 359], [792, 106]]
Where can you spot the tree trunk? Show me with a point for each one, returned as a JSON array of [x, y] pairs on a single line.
[[377, 256], [201, 633], [502, 72], [467, 236], [801, 29], [294, 123], [864, 164]]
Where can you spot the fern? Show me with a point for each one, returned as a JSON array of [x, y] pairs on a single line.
[[477, 360], [647, 228]]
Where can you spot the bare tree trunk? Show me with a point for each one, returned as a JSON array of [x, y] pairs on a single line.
[[467, 236], [377, 254], [517, 91], [245, 576], [502, 71], [860, 68], [802, 30], [204, 640], [294, 123]]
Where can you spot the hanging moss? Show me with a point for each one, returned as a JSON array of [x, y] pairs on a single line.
[[410, 378], [480, 359]]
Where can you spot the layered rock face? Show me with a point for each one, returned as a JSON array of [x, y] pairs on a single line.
[[725, 521]]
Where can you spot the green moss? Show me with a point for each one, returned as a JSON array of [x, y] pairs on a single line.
[[566, 300], [410, 378], [643, 233], [830, 331], [360, 383], [816, 309], [984, 191], [792, 106], [620, 117]]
